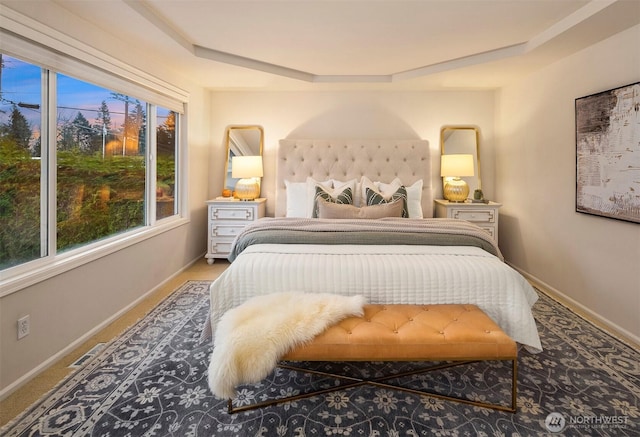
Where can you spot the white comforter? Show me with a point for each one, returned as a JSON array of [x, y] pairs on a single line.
[[384, 274]]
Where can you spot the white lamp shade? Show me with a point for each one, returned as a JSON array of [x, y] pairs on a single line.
[[246, 167], [456, 165]]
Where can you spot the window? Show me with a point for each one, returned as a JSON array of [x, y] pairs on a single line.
[[20, 164], [166, 141], [100, 163], [97, 172]]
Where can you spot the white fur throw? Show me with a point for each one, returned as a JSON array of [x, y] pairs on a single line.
[[252, 337]]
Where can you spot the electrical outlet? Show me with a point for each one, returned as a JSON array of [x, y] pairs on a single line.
[[24, 326]]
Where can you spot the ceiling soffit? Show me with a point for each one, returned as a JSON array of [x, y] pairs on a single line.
[[555, 31]]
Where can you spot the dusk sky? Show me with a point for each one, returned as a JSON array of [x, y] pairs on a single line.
[[21, 84]]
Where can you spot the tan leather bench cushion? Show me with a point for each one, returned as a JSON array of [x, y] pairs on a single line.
[[410, 332]]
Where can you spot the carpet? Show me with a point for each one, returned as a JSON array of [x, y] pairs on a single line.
[[151, 381]]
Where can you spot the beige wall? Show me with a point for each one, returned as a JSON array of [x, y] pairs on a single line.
[[592, 260], [350, 114], [65, 308]]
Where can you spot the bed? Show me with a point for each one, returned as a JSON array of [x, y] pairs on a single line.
[[322, 240]]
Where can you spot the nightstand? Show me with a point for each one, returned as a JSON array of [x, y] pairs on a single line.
[[226, 218], [484, 215]]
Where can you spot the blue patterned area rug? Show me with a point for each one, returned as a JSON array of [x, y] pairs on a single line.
[[151, 381]]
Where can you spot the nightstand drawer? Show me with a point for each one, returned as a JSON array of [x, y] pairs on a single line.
[[475, 215], [490, 230], [246, 213], [222, 230], [220, 247]]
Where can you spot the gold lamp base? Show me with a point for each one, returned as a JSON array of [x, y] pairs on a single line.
[[247, 189], [456, 190]]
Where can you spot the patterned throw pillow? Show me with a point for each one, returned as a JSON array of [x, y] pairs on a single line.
[[374, 198], [344, 198]]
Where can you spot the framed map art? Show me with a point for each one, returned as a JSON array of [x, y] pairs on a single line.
[[608, 153]]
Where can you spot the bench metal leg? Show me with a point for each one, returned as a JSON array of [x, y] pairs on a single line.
[[378, 382]]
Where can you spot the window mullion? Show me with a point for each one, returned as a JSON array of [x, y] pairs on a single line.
[[44, 165], [151, 167], [52, 172], [179, 202]]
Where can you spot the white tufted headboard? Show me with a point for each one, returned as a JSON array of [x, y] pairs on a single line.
[[379, 160]]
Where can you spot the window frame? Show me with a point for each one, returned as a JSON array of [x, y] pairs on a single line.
[[43, 48]]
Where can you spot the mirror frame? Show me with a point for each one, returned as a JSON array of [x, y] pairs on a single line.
[[474, 182], [227, 162]]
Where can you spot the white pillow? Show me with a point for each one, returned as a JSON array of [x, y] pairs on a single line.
[[414, 199], [414, 193], [341, 185], [296, 199]]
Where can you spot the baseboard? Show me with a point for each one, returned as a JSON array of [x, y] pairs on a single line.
[[5, 392], [596, 319]]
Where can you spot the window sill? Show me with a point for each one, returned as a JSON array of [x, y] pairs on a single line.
[[45, 268]]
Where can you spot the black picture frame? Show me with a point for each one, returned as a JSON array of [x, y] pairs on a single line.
[[608, 153]]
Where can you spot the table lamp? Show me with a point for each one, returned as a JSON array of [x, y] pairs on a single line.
[[452, 168], [249, 170]]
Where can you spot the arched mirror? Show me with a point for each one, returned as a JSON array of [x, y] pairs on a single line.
[[463, 140], [243, 140]]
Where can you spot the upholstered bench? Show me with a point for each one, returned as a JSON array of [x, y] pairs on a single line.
[[457, 334]]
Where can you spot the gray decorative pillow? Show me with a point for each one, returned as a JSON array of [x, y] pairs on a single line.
[[374, 198], [337, 211], [343, 198]]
